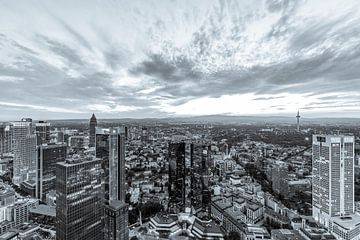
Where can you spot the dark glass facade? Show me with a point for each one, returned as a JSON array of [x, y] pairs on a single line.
[[47, 157], [92, 129], [42, 131], [177, 176], [200, 193], [78, 200], [110, 148], [116, 221]]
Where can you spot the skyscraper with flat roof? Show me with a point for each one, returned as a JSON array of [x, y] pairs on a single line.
[[24, 146], [110, 148], [5, 138], [199, 170], [47, 157], [177, 177], [78, 199], [42, 131], [333, 177]]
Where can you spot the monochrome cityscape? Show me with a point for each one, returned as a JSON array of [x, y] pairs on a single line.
[[180, 120]]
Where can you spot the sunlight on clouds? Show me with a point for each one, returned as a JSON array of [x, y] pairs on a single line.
[[110, 109], [250, 104]]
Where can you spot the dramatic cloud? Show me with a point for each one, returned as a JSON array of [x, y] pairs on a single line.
[[157, 58]]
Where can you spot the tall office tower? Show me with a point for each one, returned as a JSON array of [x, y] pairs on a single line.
[[42, 131], [177, 177], [24, 147], [47, 157], [5, 138], [279, 173], [78, 199], [116, 220], [144, 135], [110, 148], [200, 192], [333, 177], [93, 124]]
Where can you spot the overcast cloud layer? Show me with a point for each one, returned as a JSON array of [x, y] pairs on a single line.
[[67, 59]]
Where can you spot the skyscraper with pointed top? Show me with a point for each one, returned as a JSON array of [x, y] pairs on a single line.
[[93, 124], [298, 121]]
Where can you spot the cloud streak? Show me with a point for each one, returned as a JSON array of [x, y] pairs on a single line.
[[161, 58]]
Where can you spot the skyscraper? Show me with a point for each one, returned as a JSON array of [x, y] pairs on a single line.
[[333, 177], [42, 131], [189, 178], [5, 138], [47, 157], [200, 192], [24, 146], [110, 147], [78, 199], [92, 127], [177, 177]]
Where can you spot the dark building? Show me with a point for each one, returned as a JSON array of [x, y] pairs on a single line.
[[177, 177], [200, 192], [5, 139], [93, 124], [189, 178], [42, 131], [47, 157], [78, 199], [116, 220], [144, 135], [110, 148]]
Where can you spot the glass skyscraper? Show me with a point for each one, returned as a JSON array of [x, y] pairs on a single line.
[[78, 199], [110, 148]]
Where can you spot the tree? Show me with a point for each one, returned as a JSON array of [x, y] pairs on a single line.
[[233, 236]]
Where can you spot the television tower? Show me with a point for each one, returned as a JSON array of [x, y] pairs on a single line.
[[298, 121]]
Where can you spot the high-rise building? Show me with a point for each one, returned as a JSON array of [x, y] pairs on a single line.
[[333, 177], [42, 131], [279, 174], [5, 139], [110, 148], [189, 178], [47, 157], [177, 177], [78, 199], [116, 220], [200, 192], [24, 147], [92, 129]]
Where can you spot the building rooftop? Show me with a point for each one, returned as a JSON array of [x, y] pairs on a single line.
[[163, 218], [348, 222], [44, 210], [207, 227], [286, 234]]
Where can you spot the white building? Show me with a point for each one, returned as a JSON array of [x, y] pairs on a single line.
[[333, 185], [24, 143]]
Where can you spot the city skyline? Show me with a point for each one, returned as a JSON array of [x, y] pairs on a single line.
[[178, 58]]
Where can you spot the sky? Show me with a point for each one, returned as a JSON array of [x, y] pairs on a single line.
[[169, 58]]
